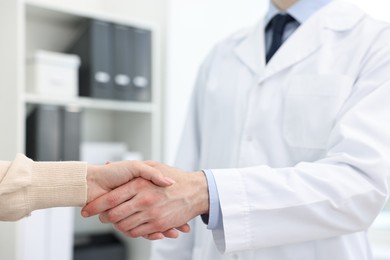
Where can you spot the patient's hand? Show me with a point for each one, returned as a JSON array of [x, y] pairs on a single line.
[[102, 179]]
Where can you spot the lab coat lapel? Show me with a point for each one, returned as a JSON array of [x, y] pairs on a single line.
[[308, 38], [295, 49], [251, 51]]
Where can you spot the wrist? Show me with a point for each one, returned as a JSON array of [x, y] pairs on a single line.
[[56, 184], [91, 182], [202, 193]]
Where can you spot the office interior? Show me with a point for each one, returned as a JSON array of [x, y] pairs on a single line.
[[181, 35]]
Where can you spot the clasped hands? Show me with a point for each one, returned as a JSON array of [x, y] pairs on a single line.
[[147, 199]]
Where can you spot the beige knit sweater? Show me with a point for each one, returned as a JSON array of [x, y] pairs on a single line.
[[26, 185]]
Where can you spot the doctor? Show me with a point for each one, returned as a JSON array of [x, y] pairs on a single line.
[[295, 140]]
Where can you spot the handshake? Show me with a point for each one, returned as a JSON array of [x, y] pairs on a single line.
[[147, 199]]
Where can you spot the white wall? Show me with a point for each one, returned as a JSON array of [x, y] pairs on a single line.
[[193, 27]]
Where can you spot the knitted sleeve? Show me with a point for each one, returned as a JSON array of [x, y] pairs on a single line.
[[26, 185]]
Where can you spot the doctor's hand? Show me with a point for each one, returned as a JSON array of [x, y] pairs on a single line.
[[141, 208], [105, 178]]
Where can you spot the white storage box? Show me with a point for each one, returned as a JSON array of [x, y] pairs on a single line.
[[101, 152], [53, 74]]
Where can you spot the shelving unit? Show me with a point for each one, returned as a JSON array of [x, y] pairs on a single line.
[[29, 25]]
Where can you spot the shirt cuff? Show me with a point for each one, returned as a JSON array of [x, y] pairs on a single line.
[[214, 219]]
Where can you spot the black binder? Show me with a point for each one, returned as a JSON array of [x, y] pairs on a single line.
[[71, 134], [53, 134], [99, 247], [123, 57], [43, 140], [141, 64], [116, 61], [95, 49], [132, 63]]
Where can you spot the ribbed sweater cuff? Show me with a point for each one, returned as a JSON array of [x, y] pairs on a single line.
[[57, 184]]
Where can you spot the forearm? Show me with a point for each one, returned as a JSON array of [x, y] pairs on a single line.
[[26, 186], [58, 184]]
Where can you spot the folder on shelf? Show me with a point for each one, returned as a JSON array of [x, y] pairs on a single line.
[[132, 63], [123, 53], [43, 140], [53, 134], [95, 49], [71, 137], [141, 64], [99, 246], [116, 61]]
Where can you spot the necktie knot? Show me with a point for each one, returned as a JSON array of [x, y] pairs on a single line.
[[280, 21], [278, 24]]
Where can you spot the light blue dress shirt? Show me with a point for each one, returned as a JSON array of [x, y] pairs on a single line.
[[300, 11]]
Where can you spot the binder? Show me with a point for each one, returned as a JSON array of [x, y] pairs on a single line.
[[132, 63], [53, 133], [123, 53], [100, 246], [43, 134], [116, 61], [141, 64], [70, 134], [95, 49]]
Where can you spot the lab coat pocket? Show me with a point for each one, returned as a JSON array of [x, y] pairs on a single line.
[[312, 104]]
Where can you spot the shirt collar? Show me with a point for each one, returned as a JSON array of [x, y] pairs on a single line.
[[301, 10]]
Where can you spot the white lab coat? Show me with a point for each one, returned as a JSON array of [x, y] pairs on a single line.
[[300, 147]]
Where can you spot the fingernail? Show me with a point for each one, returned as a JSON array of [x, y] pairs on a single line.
[[84, 214], [169, 180]]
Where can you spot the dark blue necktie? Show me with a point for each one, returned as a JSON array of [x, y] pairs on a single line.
[[277, 24]]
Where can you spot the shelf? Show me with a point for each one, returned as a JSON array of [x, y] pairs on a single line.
[[92, 103], [66, 13], [53, 25]]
